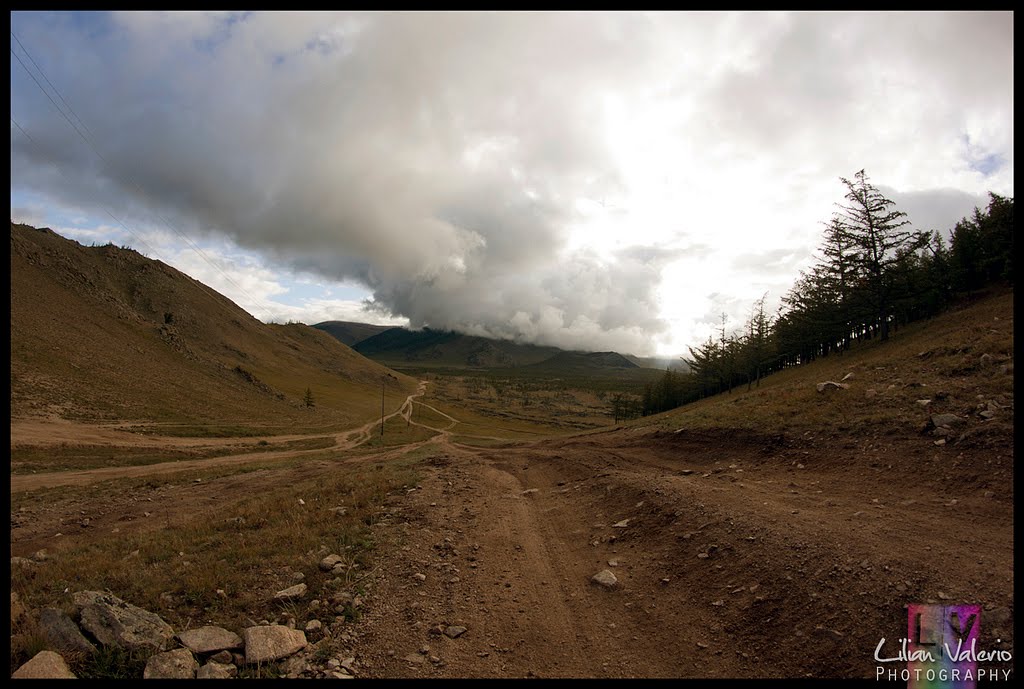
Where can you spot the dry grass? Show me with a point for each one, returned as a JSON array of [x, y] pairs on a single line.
[[67, 457], [249, 550], [939, 360]]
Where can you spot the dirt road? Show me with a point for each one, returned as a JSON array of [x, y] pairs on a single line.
[[731, 561], [45, 432], [735, 555]]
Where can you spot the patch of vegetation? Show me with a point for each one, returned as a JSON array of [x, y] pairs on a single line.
[[246, 550]]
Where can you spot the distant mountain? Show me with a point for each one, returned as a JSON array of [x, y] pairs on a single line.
[[350, 333], [105, 333], [442, 348], [661, 362], [581, 362], [427, 348]]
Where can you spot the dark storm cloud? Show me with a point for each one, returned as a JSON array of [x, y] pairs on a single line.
[[433, 157]]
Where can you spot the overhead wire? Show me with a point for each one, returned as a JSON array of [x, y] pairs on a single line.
[[257, 302]]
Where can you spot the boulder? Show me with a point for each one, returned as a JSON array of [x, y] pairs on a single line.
[[176, 664], [272, 642], [216, 671], [62, 633], [113, 622], [209, 639], [44, 665]]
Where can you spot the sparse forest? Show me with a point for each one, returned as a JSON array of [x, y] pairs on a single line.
[[872, 276]]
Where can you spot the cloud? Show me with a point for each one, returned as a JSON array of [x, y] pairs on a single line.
[[461, 165]]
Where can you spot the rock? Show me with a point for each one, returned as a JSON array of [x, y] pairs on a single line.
[[923, 403], [605, 578], [224, 657], [621, 525], [328, 563], [349, 664], [939, 420], [22, 562], [847, 377], [987, 414], [176, 664], [113, 622], [41, 555], [940, 442], [869, 393], [455, 631], [342, 598], [831, 385], [210, 640], [62, 633], [301, 501], [214, 670], [44, 665], [291, 593], [986, 359], [272, 642], [419, 577], [314, 626], [414, 658], [530, 491]]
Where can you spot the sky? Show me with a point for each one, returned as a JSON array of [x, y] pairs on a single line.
[[586, 180]]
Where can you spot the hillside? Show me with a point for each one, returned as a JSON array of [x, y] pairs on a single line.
[[956, 363], [582, 362], [349, 333], [445, 348], [106, 333]]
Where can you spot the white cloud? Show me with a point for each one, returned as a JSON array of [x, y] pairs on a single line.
[[495, 172]]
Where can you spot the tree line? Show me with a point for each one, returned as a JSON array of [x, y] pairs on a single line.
[[872, 275]]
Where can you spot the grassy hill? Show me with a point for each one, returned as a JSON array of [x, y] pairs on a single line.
[[960, 362], [106, 333], [350, 333], [441, 348]]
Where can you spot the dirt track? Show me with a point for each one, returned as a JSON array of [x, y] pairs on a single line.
[[743, 556], [746, 567], [45, 432]]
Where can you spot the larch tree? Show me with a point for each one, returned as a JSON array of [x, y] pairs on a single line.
[[873, 230]]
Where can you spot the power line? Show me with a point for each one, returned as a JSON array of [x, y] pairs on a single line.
[[68, 179], [51, 84], [257, 302]]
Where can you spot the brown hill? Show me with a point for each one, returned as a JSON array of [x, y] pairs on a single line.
[[350, 333], [106, 333]]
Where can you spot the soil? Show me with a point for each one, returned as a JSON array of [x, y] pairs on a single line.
[[735, 554]]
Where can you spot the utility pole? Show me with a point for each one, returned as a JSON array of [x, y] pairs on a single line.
[[382, 381]]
